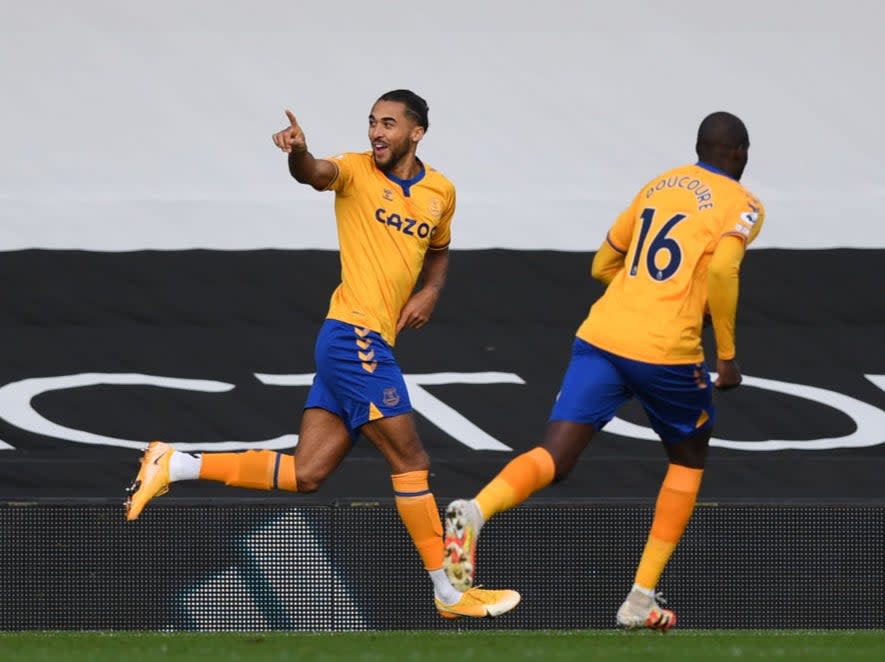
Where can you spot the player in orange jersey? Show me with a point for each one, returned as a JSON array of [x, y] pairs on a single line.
[[394, 214], [676, 249]]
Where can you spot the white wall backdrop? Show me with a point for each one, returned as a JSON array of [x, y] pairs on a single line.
[[127, 125]]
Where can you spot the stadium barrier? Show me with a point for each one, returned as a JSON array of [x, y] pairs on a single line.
[[350, 566]]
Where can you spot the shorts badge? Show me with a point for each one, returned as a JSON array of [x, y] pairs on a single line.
[[391, 397]]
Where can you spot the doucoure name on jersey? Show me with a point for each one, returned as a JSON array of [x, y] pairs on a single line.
[[701, 191]]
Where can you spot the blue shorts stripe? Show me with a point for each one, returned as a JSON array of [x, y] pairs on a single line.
[[411, 494], [276, 471]]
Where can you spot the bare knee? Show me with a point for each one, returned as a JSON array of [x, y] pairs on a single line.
[[562, 472], [565, 441], [692, 452], [397, 439], [308, 484], [562, 464], [323, 442], [310, 476]]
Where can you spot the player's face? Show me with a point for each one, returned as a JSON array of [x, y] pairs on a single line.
[[393, 134]]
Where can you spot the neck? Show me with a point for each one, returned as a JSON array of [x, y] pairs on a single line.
[[406, 168], [718, 165]]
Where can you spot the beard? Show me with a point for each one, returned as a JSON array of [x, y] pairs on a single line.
[[395, 155]]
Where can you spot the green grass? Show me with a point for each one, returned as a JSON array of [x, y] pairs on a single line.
[[681, 645]]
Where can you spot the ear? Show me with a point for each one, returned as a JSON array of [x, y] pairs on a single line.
[[417, 134]]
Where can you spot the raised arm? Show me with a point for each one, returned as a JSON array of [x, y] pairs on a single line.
[[306, 169]]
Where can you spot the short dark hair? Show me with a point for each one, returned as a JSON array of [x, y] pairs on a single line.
[[721, 130], [416, 107]]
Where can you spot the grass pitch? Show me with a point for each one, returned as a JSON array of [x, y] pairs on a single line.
[[492, 646]]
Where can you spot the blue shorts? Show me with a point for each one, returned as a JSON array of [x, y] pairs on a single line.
[[357, 377], [678, 399]]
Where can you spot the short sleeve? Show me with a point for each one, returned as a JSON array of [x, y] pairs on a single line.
[[442, 233], [344, 178], [745, 219]]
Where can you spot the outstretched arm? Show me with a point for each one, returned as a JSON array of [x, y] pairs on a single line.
[[418, 309], [306, 169]]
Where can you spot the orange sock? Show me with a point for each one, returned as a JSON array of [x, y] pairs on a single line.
[[523, 476], [673, 510], [259, 470], [418, 510]]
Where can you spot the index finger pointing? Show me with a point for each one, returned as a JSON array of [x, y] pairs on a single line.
[[291, 117]]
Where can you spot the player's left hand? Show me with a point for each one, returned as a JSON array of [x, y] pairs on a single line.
[[729, 374], [417, 311]]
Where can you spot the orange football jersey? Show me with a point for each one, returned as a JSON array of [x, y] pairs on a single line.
[[652, 310], [385, 227]]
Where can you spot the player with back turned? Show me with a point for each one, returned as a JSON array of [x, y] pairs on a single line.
[[677, 248], [394, 217]]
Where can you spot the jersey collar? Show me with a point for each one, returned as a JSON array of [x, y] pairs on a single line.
[[407, 184], [707, 166]]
